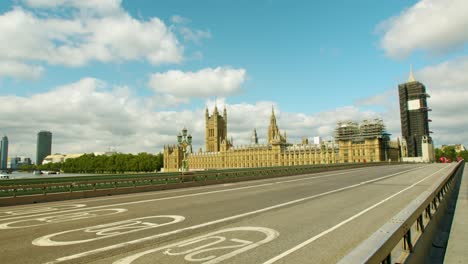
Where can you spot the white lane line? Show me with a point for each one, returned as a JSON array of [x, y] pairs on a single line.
[[183, 196], [136, 241], [312, 239], [132, 195]]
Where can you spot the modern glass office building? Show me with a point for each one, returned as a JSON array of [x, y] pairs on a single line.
[[4, 152], [44, 146]]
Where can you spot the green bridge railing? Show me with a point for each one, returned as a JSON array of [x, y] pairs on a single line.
[[44, 186]]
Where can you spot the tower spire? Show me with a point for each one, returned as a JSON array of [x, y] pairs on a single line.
[[216, 105], [273, 131], [411, 76], [272, 117]]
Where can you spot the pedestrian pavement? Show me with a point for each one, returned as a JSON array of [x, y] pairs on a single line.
[[457, 247]]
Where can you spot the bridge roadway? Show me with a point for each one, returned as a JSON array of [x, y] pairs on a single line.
[[314, 218]]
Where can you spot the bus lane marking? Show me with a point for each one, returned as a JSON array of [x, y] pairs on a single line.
[[229, 218], [108, 230], [203, 248], [60, 218]]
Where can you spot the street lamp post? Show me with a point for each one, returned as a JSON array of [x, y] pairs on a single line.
[[185, 143]]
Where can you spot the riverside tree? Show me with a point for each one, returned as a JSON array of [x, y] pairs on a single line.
[[116, 163]]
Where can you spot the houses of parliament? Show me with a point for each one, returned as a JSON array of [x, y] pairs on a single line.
[[365, 142]]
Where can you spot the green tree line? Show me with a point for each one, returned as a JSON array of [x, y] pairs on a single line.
[[116, 163], [450, 153]]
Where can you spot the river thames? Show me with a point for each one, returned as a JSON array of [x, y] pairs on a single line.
[[24, 175]]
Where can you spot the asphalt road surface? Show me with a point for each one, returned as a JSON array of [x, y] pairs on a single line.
[[312, 218]]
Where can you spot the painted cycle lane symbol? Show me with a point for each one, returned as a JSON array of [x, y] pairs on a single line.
[[93, 233], [211, 248], [36, 210], [60, 218]]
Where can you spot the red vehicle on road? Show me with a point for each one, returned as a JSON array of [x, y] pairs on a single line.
[[444, 160]]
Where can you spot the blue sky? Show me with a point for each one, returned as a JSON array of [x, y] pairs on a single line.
[[316, 61], [310, 48]]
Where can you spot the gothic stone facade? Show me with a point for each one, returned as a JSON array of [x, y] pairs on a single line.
[[222, 154], [368, 150]]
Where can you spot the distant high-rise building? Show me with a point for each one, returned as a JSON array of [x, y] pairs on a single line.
[[15, 162], [414, 115], [27, 161], [44, 146], [4, 152]]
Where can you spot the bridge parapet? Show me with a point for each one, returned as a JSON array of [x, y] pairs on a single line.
[[458, 243], [24, 191], [409, 228]]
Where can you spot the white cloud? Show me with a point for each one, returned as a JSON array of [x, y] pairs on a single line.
[[20, 70], [206, 82], [378, 100], [188, 34], [177, 19], [90, 6], [450, 75], [244, 117], [78, 39], [447, 83], [196, 35], [430, 25], [91, 115], [167, 100], [436, 26]]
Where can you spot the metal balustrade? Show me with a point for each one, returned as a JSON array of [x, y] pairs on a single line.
[[188, 178], [407, 227]]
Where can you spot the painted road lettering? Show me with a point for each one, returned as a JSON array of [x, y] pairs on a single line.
[[207, 248], [194, 194], [191, 253], [229, 218], [60, 218], [94, 233]]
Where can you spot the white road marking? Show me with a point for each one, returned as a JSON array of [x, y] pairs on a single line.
[[35, 210], [241, 246], [312, 239], [192, 194], [60, 218], [131, 195], [136, 241], [108, 230]]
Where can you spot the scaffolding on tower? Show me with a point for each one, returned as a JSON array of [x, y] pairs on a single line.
[[350, 130]]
